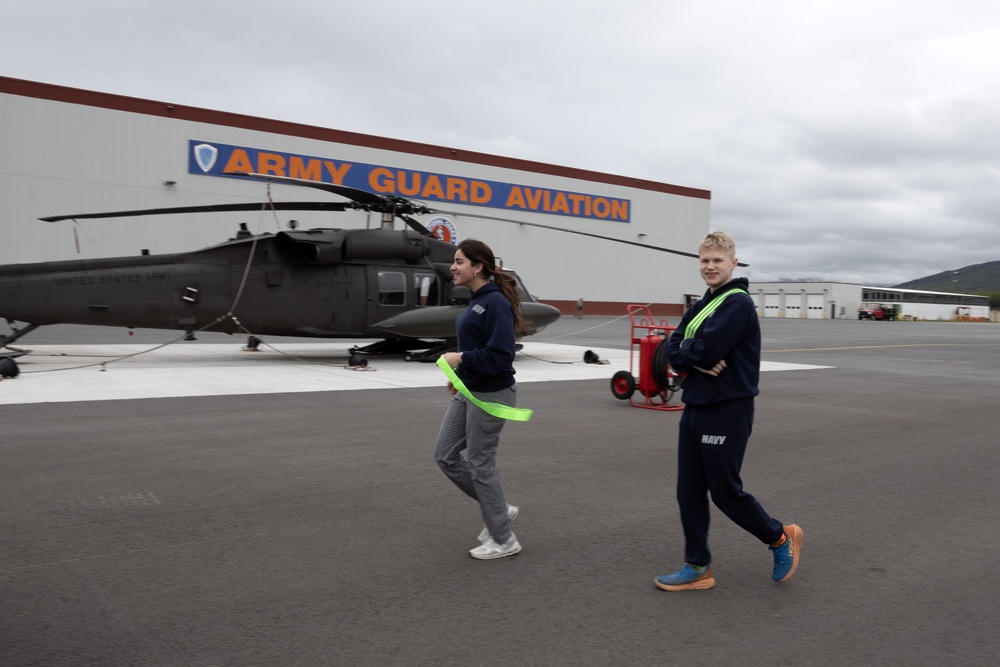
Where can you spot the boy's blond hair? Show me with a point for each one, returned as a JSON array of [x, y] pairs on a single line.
[[718, 240]]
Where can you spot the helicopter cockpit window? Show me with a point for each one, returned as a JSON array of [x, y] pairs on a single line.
[[520, 287], [425, 285], [391, 288]]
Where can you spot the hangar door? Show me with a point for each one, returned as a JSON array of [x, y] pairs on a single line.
[[772, 305], [793, 305], [816, 306]]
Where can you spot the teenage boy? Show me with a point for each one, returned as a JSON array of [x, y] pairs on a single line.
[[717, 344]]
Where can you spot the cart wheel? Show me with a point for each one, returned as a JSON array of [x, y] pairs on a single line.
[[623, 385]]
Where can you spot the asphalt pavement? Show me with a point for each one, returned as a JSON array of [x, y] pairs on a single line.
[[313, 528]]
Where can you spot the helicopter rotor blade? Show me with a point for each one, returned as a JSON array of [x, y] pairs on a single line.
[[368, 201], [211, 208], [574, 231], [362, 197], [416, 226]]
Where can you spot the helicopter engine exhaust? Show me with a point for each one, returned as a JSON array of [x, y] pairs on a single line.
[[335, 246]]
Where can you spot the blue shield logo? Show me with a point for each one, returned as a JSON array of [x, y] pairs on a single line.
[[206, 155]]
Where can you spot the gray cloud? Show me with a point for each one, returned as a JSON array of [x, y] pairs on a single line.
[[850, 141]]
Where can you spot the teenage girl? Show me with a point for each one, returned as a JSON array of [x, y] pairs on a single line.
[[486, 330]]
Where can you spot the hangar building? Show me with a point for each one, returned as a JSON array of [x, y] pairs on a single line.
[[847, 301], [70, 151]]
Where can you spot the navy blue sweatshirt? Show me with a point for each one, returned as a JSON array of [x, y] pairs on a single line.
[[732, 333], [485, 332]]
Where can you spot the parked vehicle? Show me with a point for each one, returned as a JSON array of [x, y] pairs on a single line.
[[878, 311]]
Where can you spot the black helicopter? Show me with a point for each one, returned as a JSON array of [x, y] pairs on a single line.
[[320, 283]]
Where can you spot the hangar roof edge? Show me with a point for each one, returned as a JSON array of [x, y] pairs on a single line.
[[69, 95], [861, 285]]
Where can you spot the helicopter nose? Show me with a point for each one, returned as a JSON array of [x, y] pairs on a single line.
[[539, 315]]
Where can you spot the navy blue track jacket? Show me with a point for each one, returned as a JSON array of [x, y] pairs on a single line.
[[486, 340], [732, 333]]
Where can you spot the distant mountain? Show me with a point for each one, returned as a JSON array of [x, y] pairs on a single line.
[[975, 278]]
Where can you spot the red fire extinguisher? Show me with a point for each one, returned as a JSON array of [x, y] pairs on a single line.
[[647, 378]]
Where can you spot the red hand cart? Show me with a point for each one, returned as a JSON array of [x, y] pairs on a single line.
[[653, 377]]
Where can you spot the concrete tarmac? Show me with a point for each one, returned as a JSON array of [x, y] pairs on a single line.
[[313, 528]]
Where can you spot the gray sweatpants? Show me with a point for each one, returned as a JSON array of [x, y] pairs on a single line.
[[468, 428]]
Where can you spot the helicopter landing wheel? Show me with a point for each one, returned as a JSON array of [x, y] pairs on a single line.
[[357, 361], [623, 385]]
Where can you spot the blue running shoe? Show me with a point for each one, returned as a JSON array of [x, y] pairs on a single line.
[[688, 578], [786, 556]]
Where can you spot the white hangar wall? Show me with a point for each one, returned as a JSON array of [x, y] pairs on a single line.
[[806, 300], [67, 151]]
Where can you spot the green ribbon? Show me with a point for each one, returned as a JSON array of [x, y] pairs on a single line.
[[697, 320], [496, 409]]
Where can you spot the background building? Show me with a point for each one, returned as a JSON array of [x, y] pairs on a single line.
[[70, 151], [847, 301]]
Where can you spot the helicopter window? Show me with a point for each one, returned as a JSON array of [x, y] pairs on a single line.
[[520, 287], [391, 288], [425, 286]]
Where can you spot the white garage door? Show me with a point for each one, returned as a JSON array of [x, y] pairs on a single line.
[[817, 306], [793, 305], [772, 305]]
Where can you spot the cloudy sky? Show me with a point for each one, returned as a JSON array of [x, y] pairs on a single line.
[[856, 141]]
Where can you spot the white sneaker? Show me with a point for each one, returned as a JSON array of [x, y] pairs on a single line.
[[490, 549], [511, 515]]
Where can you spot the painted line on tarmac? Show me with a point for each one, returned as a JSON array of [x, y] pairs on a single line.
[[881, 347]]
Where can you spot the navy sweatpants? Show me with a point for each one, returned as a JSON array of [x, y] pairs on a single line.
[[711, 444]]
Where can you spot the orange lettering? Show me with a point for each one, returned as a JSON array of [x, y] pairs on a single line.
[[559, 204], [239, 161], [310, 171], [515, 198], [619, 210], [602, 207], [534, 198], [337, 172], [270, 163], [433, 187], [380, 179], [481, 193], [411, 190], [458, 190]]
